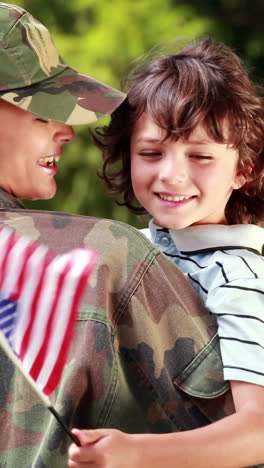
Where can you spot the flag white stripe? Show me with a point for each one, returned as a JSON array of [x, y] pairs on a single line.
[[5, 235], [33, 272], [55, 344], [15, 264], [63, 311], [47, 295]]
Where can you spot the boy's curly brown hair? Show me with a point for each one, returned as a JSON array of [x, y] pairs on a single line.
[[205, 83]]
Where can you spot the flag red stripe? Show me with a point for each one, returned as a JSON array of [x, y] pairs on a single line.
[[30, 249], [59, 365], [34, 306], [11, 242], [39, 360]]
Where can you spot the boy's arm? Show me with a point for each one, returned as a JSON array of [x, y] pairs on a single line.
[[233, 442]]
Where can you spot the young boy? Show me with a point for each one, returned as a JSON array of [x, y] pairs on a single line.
[[190, 141], [41, 98]]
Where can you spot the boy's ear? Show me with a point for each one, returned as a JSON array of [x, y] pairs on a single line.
[[239, 180]]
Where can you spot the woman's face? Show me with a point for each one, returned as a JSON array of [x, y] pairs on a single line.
[[29, 150]]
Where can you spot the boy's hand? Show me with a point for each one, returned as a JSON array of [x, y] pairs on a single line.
[[231, 442], [104, 448]]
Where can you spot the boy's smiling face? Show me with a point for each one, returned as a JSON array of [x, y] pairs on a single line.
[[26, 142], [185, 182]]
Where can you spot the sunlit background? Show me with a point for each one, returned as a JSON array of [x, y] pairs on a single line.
[[102, 38]]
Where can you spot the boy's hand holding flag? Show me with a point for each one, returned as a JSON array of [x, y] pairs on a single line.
[[40, 294]]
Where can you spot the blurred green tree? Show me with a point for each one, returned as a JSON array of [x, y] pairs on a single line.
[[102, 39], [238, 23]]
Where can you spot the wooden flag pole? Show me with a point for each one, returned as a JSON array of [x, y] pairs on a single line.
[[45, 400]]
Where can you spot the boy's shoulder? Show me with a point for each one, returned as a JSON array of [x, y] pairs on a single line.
[[237, 264], [212, 237]]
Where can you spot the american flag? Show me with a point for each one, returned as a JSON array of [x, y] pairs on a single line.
[[40, 295]]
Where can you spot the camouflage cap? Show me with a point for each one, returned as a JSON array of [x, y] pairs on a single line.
[[35, 78]]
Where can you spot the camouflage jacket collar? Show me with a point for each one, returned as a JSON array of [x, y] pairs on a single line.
[[8, 201]]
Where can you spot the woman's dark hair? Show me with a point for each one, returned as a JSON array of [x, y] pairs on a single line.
[[205, 83]]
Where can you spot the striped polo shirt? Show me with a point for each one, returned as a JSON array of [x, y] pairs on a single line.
[[225, 266]]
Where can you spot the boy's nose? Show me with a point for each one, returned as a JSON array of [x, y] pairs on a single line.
[[174, 170]]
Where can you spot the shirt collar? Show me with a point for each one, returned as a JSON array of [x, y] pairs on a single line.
[[9, 201], [212, 236]]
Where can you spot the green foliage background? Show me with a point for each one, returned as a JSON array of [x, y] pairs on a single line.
[[103, 38]]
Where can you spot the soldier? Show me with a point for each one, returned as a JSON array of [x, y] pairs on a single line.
[[145, 355], [34, 78]]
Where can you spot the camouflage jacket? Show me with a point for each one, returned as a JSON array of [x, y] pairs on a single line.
[[144, 357]]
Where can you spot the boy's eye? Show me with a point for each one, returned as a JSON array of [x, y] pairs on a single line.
[[201, 157]]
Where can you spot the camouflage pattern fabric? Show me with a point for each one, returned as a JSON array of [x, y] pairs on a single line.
[[35, 78], [145, 354]]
